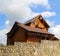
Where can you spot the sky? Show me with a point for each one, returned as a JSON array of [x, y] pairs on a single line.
[[23, 10]]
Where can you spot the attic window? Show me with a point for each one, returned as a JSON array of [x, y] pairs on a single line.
[[40, 17]]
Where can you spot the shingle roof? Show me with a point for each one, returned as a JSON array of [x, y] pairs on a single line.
[[28, 28]]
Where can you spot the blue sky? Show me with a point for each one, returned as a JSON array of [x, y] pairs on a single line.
[[56, 6], [22, 10], [2, 21]]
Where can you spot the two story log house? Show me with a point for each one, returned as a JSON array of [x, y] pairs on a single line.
[[34, 30]]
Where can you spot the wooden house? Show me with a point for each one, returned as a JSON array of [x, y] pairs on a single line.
[[33, 30]]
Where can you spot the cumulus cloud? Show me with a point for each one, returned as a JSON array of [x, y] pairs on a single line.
[[56, 30], [42, 2], [15, 10], [51, 23], [3, 36], [7, 22], [48, 14]]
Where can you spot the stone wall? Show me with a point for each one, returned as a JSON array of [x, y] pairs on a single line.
[[45, 48]]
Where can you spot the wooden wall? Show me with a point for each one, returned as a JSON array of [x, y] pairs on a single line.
[[19, 36], [38, 24], [33, 39]]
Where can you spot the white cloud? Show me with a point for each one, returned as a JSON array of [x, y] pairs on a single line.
[[7, 22], [3, 36], [48, 14], [43, 3], [56, 30], [15, 10], [51, 23]]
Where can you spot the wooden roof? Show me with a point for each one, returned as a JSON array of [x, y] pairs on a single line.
[[39, 17], [27, 28]]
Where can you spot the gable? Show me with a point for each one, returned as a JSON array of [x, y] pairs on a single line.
[[38, 22]]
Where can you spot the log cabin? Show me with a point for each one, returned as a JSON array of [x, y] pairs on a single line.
[[34, 30]]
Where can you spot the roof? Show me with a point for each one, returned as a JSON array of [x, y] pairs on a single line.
[[39, 17], [28, 28], [33, 29]]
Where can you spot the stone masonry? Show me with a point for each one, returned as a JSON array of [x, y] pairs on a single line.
[[45, 48]]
